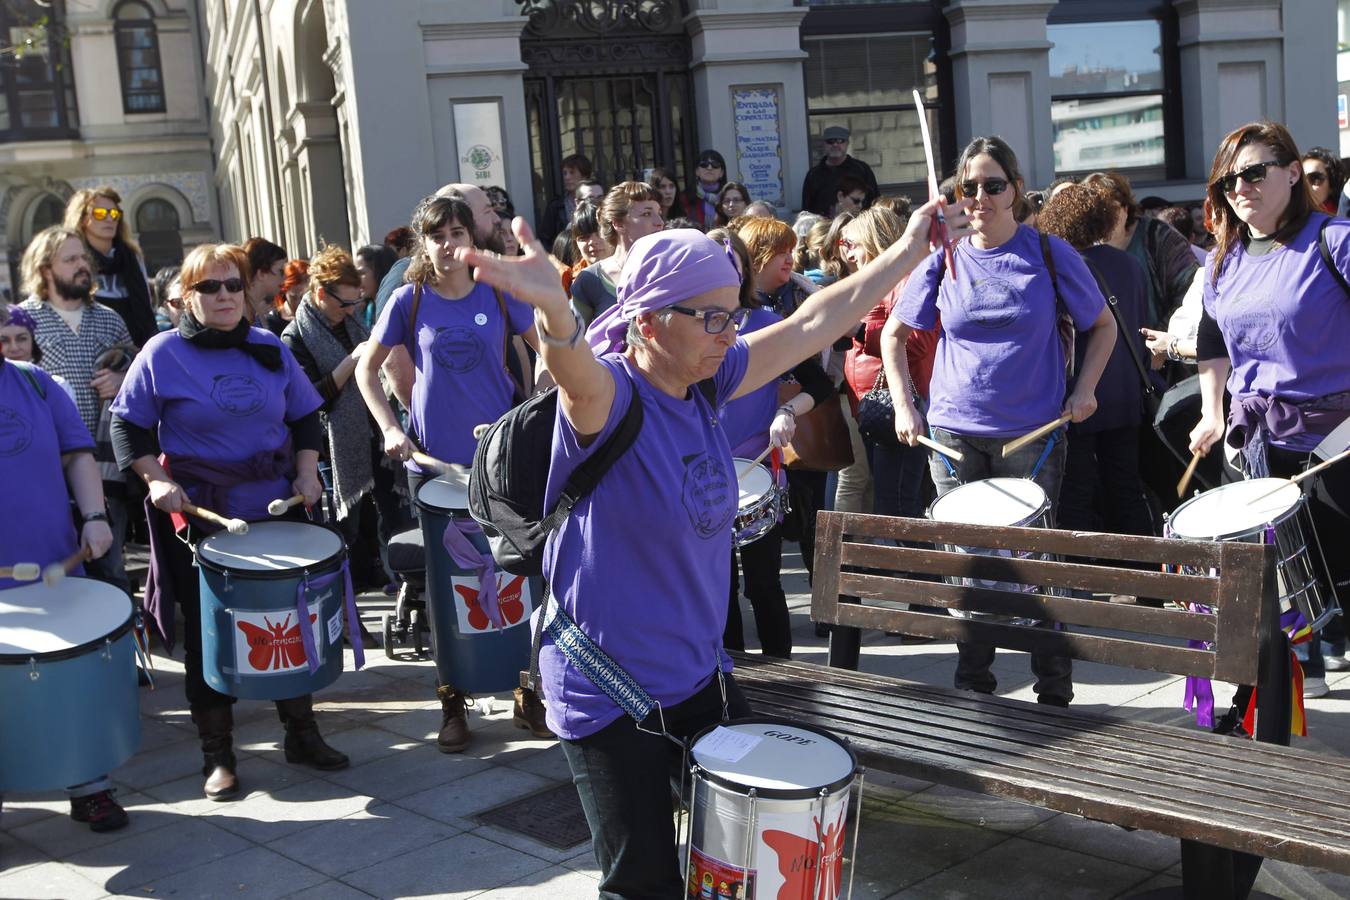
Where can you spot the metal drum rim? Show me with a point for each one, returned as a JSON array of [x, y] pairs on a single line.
[[767, 793], [453, 512], [1041, 510], [273, 574], [18, 659], [1256, 531]]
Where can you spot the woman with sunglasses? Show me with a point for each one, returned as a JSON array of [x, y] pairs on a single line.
[[221, 415], [1000, 367], [731, 202], [702, 200], [1325, 176], [640, 567], [1274, 328], [120, 280]]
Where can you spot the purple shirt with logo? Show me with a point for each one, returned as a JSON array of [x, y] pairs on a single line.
[[1285, 318], [642, 564], [461, 376], [220, 405], [999, 370], [34, 432]]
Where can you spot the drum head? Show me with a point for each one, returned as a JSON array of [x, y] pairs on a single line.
[[449, 492], [993, 501], [1229, 511], [754, 484], [37, 620], [779, 758], [270, 547]]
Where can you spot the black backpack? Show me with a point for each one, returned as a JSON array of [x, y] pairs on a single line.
[[510, 475]]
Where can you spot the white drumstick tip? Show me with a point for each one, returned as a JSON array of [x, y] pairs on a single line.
[[53, 574], [26, 572], [237, 526], [277, 507]]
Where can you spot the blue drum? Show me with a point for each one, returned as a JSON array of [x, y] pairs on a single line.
[[256, 590], [478, 650], [68, 701]]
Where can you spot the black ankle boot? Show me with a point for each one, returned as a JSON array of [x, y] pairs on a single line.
[[304, 744], [215, 726]]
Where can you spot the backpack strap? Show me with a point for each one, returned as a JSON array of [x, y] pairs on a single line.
[[1121, 331], [708, 388], [1326, 256], [506, 346], [1060, 307], [27, 371]]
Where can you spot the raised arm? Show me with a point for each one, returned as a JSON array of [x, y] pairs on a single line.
[[839, 308]]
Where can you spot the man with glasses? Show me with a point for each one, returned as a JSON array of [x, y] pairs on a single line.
[[821, 189]]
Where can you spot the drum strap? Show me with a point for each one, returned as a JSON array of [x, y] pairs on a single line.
[[302, 591]]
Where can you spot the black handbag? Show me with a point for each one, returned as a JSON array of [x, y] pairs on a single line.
[[876, 414]]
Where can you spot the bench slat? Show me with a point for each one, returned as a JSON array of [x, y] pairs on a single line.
[[1076, 576], [1173, 623]]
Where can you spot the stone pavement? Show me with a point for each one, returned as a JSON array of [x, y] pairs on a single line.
[[401, 821]]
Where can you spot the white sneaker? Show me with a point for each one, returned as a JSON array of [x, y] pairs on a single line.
[[1315, 687], [1336, 663]]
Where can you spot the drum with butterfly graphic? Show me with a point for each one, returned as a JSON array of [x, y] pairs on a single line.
[[480, 647], [768, 809], [259, 590]]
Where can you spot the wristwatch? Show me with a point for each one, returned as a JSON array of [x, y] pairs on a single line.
[[93, 517]]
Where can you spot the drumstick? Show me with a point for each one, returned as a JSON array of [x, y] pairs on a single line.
[[1013, 446], [52, 575], [22, 571], [1344, 454], [1185, 481], [233, 526], [756, 461], [278, 506], [427, 461], [956, 455]]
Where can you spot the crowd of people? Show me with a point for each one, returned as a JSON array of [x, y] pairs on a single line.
[[729, 327]]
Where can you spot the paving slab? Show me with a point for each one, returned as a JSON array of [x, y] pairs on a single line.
[[362, 839], [1145, 849], [148, 856], [53, 880], [264, 817], [455, 803], [407, 772], [459, 867], [557, 882], [256, 873], [61, 836]]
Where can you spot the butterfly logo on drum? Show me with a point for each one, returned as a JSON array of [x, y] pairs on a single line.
[[811, 869], [276, 646], [508, 601]]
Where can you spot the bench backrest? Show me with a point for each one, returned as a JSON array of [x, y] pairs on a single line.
[[859, 582]]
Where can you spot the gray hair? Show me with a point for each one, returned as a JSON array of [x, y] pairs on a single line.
[[634, 337]]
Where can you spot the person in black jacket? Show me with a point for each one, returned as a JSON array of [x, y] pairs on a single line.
[[820, 190], [119, 280]]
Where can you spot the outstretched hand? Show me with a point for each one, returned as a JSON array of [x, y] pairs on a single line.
[[533, 278], [955, 215]]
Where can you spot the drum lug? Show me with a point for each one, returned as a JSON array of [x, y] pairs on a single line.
[[107, 649], [33, 674], [228, 587]]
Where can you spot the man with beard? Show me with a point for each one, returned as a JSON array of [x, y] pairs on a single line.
[[79, 338]]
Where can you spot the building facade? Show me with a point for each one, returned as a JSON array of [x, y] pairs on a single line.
[[333, 117], [104, 92]]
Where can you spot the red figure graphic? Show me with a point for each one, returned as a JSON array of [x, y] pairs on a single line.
[[508, 601], [276, 646], [805, 875]]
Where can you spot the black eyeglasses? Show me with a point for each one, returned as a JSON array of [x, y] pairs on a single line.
[[1253, 174], [992, 187], [715, 321], [1316, 177], [709, 164], [208, 286], [331, 290]]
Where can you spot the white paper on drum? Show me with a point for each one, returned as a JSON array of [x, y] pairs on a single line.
[[513, 599], [335, 626], [268, 641]]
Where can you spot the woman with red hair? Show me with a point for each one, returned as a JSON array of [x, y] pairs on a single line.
[[294, 286]]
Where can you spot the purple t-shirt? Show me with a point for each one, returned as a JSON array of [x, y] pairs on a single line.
[[1285, 319], [34, 432], [466, 383], [999, 370], [642, 563], [746, 420], [219, 405]]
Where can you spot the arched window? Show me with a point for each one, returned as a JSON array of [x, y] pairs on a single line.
[[50, 210], [138, 58], [157, 227]]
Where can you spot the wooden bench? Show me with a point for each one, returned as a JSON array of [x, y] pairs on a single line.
[[1230, 801]]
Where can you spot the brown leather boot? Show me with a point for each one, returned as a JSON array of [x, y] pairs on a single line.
[[304, 744], [529, 714], [215, 725], [454, 736]]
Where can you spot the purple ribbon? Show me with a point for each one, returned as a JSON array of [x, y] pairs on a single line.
[[349, 601], [465, 555]]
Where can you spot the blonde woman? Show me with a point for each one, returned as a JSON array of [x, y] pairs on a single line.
[[119, 278]]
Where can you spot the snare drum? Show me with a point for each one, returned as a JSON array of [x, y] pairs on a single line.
[[473, 653], [251, 586], [768, 808], [69, 710], [1228, 513], [760, 505], [993, 501]]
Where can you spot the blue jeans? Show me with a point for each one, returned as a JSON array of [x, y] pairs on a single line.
[[1043, 462]]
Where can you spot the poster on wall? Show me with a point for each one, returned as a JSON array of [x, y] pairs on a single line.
[[759, 154], [478, 143]]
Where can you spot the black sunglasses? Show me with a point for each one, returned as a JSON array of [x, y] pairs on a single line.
[[1253, 174], [709, 164], [208, 286], [836, 140], [1316, 177], [715, 321], [992, 186]]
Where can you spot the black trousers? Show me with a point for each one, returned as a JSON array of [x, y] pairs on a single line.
[[1101, 474], [761, 562]]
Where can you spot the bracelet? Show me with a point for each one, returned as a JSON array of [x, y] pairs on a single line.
[[1172, 353], [569, 343], [788, 409], [93, 517]]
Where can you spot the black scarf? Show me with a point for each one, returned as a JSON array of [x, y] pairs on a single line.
[[135, 308], [198, 335]]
